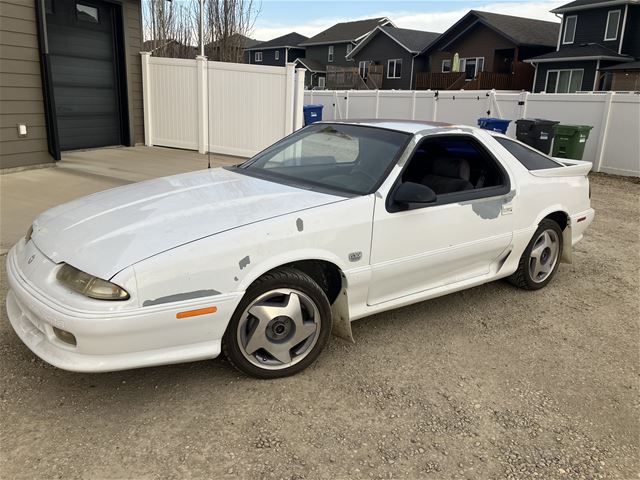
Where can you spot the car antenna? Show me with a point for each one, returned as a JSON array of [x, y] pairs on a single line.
[[208, 118]]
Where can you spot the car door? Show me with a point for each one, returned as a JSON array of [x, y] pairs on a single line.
[[429, 246]]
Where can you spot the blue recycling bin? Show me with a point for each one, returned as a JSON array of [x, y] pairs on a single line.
[[312, 113], [494, 124]]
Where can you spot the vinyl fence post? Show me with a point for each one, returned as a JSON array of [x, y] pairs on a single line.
[[289, 98], [203, 103], [524, 98], [413, 106], [604, 131], [434, 99], [298, 112], [346, 108], [377, 103], [146, 98]]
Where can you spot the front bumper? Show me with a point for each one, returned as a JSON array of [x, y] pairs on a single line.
[[114, 340]]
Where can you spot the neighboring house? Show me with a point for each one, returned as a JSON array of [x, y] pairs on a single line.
[[488, 43], [277, 52], [238, 48], [396, 50], [169, 48], [331, 47], [596, 50], [71, 77]]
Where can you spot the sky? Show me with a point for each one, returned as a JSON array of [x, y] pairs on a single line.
[[309, 17]]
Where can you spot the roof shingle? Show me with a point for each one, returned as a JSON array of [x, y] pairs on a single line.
[[346, 31], [292, 39]]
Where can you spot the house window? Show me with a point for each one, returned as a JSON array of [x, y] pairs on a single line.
[[564, 81], [363, 69], [277, 54], [330, 55], [87, 13], [471, 67], [321, 83], [613, 20], [570, 29], [349, 48], [258, 56], [394, 68], [446, 66]]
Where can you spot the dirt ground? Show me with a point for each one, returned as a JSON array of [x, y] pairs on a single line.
[[489, 383]]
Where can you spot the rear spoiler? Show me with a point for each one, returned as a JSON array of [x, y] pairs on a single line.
[[571, 168]]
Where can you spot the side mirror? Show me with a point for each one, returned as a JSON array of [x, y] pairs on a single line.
[[410, 192]]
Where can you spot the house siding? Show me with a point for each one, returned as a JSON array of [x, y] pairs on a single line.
[[132, 14], [631, 42], [321, 54], [21, 87], [591, 26], [478, 41], [269, 56], [380, 50], [21, 97], [587, 79]]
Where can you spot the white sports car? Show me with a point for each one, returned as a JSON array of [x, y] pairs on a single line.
[[263, 260]]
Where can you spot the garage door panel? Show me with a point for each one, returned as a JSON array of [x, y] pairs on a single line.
[[76, 42], [75, 138], [91, 72], [83, 70]]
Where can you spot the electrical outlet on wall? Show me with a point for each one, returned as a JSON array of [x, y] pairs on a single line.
[[22, 130]]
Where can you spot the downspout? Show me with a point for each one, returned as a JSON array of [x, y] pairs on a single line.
[[535, 77], [595, 80], [413, 57], [624, 24], [286, 55], [560, 32], [51, 121]]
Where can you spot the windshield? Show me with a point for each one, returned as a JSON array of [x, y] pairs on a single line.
[[348, 158]]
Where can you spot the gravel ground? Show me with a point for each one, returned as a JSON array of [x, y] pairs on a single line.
[[489, 383]]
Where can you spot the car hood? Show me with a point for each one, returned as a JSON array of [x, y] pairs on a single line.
[[105, 232]]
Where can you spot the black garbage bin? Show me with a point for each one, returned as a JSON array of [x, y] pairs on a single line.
[[536, 132]]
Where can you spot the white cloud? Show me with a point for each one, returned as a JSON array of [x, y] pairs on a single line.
[[431, 21]]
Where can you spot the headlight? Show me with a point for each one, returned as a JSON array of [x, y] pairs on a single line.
[[89, 285], [27, 237]]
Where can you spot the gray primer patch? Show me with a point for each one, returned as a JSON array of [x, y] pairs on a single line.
[[300, 224], [491, 207], [244, 262], [180, 296]]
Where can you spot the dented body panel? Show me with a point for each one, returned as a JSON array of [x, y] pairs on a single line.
[[199, 240]]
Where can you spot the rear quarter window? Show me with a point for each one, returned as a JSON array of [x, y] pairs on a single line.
[[528, 157]]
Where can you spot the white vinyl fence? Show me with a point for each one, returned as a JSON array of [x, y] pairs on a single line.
[[613, 145], [228, 108]]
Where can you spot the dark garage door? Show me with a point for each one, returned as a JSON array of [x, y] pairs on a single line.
[[84, 73]]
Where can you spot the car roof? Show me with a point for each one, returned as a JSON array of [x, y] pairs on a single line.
[[408, 126]]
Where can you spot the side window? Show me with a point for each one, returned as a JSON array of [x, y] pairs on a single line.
[[531, 159], [455, 165]]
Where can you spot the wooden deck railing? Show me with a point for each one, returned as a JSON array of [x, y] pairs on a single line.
[[438, 81]]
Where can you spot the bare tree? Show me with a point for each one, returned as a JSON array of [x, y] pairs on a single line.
[[171, 28], [228, 26]]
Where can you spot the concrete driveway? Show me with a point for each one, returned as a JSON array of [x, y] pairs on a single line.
[[23, 195]]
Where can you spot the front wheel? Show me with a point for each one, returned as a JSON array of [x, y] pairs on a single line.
[[540, 260], [280, 327]]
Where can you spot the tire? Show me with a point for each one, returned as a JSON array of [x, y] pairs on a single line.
[[540, 260], [280, 326]]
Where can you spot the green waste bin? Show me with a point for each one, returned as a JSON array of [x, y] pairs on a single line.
[[569, 141]]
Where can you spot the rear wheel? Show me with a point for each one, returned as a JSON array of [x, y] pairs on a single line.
[[280, 326], [540, 260]]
